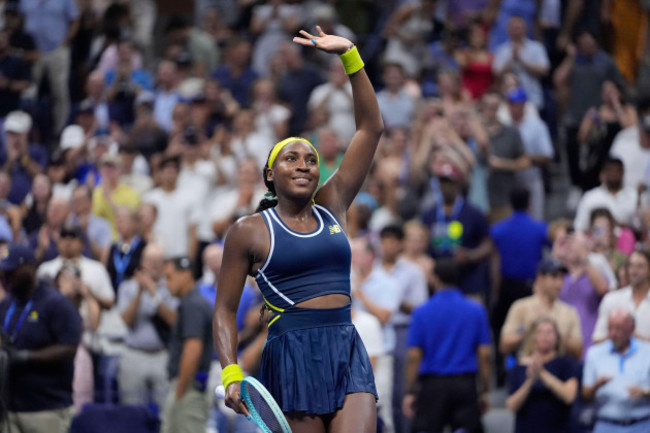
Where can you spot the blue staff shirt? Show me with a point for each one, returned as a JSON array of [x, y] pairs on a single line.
[[471, 229], [52, 319], [519, 240], [449, 328]]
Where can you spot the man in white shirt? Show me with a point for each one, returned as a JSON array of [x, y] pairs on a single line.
[[611, 194], [197, 179], [93, 273], [538, 147], [335, 97], [167, 95], [197, 176], [413, 292], [632, 146], [396, 104], [525, 57], [178, 212], [634, 298], [377, 292]]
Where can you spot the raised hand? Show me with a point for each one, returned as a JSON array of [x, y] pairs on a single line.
[[328, 43]]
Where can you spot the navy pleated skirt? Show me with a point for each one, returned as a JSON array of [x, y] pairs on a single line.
[[313, 358]]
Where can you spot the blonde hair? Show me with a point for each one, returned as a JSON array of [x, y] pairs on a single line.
[[529, 341]]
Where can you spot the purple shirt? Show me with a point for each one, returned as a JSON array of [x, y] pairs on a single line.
[[580, 294]]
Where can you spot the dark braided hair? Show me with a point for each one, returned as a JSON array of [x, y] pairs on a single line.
[[270, 198]]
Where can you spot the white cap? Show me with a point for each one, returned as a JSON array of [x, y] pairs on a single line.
[[18, 122], [72, 137]]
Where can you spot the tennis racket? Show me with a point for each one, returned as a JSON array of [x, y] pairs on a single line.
[[263, 409]]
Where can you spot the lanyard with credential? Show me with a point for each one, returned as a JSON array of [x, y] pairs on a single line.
[[441, 219], [21, 319], [121, 263]]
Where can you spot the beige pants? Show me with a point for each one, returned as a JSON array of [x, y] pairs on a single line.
[[187, 415], [142, 374], [47, 421], [57, 66]]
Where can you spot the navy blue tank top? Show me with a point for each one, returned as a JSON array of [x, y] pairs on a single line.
[[302, 266]]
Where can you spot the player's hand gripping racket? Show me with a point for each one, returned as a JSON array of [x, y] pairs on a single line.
[[263, 409]]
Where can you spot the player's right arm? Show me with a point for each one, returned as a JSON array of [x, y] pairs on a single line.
[[238, 259]]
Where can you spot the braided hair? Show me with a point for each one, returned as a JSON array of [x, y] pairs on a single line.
[[270, 199]]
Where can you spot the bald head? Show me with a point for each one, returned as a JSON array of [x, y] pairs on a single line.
[[621, 328], [153, 259]]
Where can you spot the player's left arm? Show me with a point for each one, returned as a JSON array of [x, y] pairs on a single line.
[[340, 190]]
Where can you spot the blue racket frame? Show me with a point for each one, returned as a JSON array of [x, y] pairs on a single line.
[[266, 395]]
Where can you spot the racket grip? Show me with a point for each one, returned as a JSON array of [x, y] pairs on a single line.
[[220, 392]]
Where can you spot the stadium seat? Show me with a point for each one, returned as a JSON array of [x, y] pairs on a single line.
[[109, 418]]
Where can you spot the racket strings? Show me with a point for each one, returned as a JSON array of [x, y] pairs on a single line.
[[264, 411]]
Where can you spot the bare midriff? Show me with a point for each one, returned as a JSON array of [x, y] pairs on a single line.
[[335, 300]]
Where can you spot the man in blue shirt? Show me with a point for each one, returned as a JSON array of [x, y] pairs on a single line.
[[41, 330], [449, 345], [518, 243], [53, 24], [617, 377]]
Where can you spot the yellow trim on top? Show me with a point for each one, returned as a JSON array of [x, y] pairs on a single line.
[[281, 310], [273, 320]]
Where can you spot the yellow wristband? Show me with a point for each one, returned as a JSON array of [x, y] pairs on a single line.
[[232, 373], [352, 61]]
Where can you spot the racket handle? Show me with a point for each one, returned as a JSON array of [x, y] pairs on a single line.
[[220, 392]]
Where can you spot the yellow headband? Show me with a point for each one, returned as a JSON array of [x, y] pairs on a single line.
[[278, 147]]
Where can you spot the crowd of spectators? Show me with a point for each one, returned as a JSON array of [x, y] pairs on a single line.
[[134, 133]]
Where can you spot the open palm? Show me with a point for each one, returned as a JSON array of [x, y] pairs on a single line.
[[328, 43]]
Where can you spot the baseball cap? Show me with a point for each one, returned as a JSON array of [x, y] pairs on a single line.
[[18, 122], [449, 171], [517, 96], [72, 137], [16, 255], [550, 266]]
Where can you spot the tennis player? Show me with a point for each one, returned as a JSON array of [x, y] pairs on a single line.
[[314, 363]]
